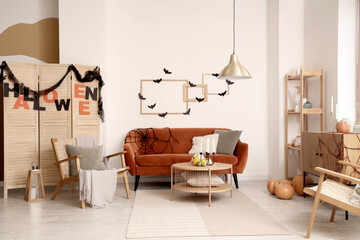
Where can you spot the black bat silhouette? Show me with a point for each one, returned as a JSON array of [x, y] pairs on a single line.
[[158, 80], [162, 114], [199, 99], [152, 106], [167, 71], [229, 82], [141, 97], [191, 84], [215, 74], [187, 112], [222, 94]]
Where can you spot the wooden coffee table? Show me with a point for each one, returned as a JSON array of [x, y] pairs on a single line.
[[189, 167]]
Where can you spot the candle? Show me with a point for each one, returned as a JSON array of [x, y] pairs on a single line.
[[200, 144], [336, 112], [213, 144], [332, 105], [207, 145]]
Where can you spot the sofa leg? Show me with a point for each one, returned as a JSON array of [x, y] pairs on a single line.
[[137, 179], [236, 181]]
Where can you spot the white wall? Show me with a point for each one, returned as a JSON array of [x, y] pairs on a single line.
[[286, 52], [189, 38]]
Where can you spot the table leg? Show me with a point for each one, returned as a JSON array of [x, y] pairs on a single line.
[[231, 181], [171, 197], [209, 187]]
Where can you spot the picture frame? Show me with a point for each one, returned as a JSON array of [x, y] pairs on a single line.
[[297, 141]]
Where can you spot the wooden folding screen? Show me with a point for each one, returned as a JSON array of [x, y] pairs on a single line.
[[19, 127], [66, 112]]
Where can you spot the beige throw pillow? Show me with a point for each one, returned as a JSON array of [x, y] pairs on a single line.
[[196, 147], [201, 179]]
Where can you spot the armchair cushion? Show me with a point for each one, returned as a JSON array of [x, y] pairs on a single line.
[[92, 158], [227, 141]]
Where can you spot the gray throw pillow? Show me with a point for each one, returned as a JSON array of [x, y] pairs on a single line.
[[227, 141], [92, 158]]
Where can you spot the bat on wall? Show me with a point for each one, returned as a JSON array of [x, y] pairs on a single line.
[[215, 74], [157, 80], [167, 71], [229, 82], [199, 99], [191, 84], [152, 106], [141, 97], [163, 114], [222, 94], [187, 112]]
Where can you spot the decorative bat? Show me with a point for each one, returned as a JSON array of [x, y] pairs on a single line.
[[141, 97], [215, 74], [157, 80], [162, 114], [167, 71], [187, 112], [229, 82], [191, 84], [222, 94], [199, 99], [152, 106]]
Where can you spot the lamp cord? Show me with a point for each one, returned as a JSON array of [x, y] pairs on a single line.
[[234, 27]]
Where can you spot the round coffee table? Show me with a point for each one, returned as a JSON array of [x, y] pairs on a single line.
[[189, 167]]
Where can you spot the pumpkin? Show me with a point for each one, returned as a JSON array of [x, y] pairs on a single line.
[[271, 185], [281, 182], [284, 191], [298, 184], [343, 126]]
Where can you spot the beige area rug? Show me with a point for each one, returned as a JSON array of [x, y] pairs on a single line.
[[154, 215]]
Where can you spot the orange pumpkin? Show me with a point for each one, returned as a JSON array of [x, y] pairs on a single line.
[[343, 126], [298, 184], [281, 182], [271, 185], [284, 191]]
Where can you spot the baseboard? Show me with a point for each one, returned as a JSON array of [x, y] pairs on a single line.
[[242, 177]]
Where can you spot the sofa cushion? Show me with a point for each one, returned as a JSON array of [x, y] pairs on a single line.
[[170, 159]]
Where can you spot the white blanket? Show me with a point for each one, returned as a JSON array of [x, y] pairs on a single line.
[[97, 187]]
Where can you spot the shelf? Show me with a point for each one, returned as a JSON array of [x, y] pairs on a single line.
[[307, 74], [184, 187], [294, 147], [291, 111], [312, 111]]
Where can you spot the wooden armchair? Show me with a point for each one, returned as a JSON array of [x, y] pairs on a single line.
[[335, 193], [62, 162]]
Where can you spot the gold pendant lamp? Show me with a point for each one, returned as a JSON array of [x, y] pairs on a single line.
[[234, 70]]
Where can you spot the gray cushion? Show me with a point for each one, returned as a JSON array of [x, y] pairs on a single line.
[[227, 141], [92, 158]]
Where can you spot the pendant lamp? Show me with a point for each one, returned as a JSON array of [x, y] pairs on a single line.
[[234, 70]]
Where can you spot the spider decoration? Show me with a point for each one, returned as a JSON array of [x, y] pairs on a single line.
[[144, 141], [340, 150]]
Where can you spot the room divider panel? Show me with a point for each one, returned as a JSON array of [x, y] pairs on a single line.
[[70, 110]]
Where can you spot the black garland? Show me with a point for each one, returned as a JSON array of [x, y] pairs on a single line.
[[89, 77], [143, 140]]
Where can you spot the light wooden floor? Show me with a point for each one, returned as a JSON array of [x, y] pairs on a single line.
[[63, 218]]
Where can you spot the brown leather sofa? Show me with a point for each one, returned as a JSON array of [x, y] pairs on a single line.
[[151, 152]]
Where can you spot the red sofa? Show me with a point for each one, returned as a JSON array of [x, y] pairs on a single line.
[[151, 152]]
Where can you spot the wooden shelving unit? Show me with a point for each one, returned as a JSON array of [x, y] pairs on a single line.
[[302, 78]]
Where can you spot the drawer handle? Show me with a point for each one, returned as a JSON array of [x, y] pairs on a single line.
[[316, 154]]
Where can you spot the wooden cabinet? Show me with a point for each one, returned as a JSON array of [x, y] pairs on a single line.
[[26, 129], [325, 149]]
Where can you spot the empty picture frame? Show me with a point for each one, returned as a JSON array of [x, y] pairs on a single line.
[[167, 95], [216, 86], [199, 91]]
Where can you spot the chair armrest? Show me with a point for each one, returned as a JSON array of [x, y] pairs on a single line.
[[336, 174], [241, 152], [349, 164], [130, 158], [68, 159], [115, 154]]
